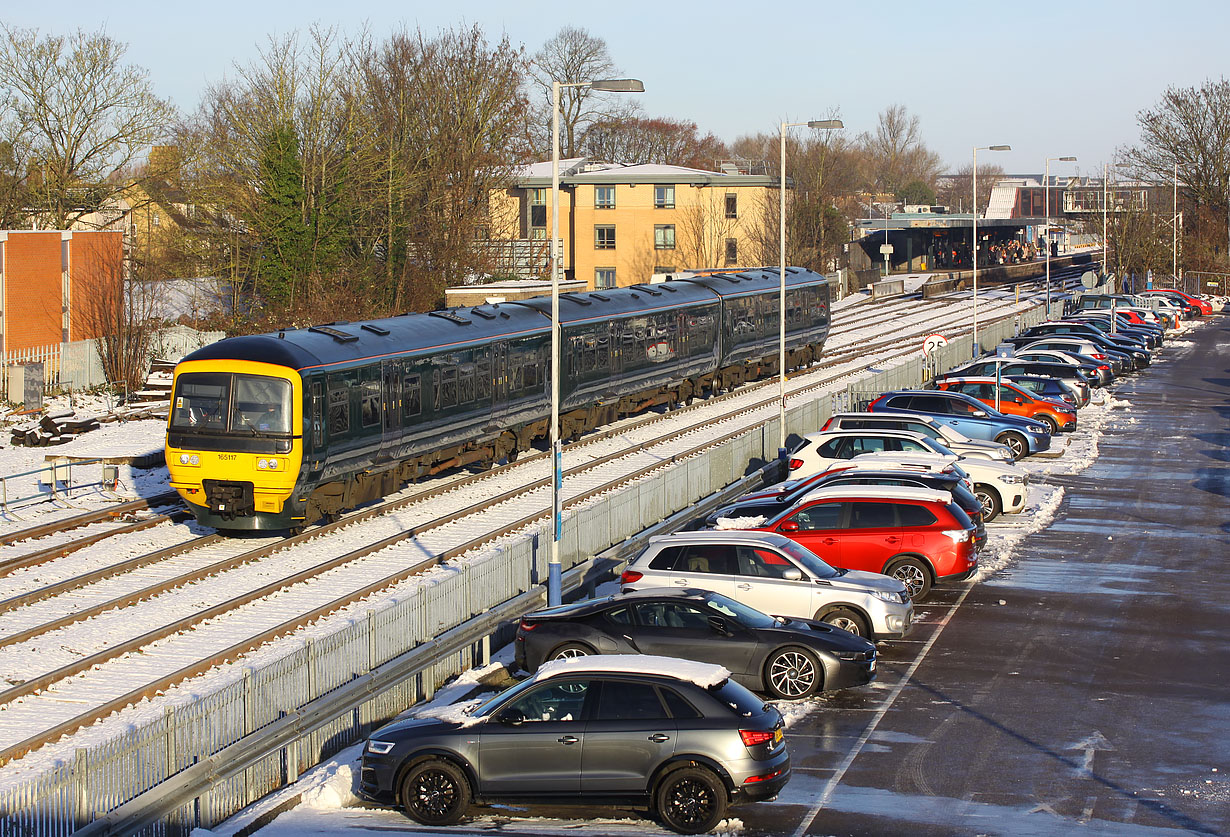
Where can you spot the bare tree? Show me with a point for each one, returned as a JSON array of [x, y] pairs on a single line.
[[703, 230], [956, 191], [897, 152], [655, 140], [87, 118], [574, 55]]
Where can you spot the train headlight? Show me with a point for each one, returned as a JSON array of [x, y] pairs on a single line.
[[270, 464], [262, 464], [273, 464], [189, 459]]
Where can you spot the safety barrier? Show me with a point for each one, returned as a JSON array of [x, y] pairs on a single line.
[[216, 753], [54, 480]]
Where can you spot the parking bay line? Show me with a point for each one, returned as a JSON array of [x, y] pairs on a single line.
[[831, 786]]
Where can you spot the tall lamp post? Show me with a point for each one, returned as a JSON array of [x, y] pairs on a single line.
[[818, 124], [1046, 191], [616, 85], [978, 148]]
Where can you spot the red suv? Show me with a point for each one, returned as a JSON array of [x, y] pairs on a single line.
[[1205, 307], [917, 535]]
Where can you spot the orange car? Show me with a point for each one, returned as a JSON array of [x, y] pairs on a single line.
[[1015, 401]]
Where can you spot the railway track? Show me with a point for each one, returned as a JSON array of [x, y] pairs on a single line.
[[88, 643]]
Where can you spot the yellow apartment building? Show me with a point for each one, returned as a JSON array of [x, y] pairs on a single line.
[[620, 224]]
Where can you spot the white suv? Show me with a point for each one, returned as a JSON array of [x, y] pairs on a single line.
[[773, 574], [999, 486]]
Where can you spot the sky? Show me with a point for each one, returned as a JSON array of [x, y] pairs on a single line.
[[1048, 78]]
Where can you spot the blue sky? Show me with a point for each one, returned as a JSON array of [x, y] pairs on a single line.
[[1047, 78]]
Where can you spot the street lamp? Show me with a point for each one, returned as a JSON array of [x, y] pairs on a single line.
[[1046, 191], [819, 124], [615, 85], [975, 190]]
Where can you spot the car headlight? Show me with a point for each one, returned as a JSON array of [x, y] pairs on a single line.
[[380, 748], [887, 595], [1038, 431], [1012, 479]]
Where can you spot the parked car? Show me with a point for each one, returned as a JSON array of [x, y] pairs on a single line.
[[1204, 306], [1099, 372], [999, 487], [774, 575], [769, 502], [823, 449], [971, 417], [916, 535], [1051, 388], [1139, 355], [1119, 325], [947, 435], [1066, 372], [1009, 398], [682, 737], [786, 658]]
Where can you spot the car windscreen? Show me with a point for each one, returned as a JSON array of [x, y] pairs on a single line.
[[719, 605], [809, 561], [220, 402]]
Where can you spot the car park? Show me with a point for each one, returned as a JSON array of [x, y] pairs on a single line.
[[1119, 326], [768, 503], [1009, 398], [1204, 306], [1099, 372], [1138, 354], [775, 575], [946, 434], [916, 535], [681, 737], [785, 658], [970, 416]]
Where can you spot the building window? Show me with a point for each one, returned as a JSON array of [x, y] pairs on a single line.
[[663, 268], [604, 237], [732, 205], [604, 277], [664, 197], [538, 211], [604, 197], [538, 197], [664, 236], [732, 250]]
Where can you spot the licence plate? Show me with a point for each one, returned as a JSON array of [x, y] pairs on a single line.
[[777, 736]]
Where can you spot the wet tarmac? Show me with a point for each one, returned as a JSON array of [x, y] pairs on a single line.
[[1084, 689]]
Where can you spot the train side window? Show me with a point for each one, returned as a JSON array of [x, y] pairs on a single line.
[[466, 391], [339, 411], [483, 378], [412, 395], [370, 403], [446, 388]]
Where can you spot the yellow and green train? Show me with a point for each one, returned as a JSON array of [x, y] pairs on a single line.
[[280, 430]]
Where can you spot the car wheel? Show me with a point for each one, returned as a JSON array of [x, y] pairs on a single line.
[[435, 792], [847, 620], [792, 673], [569, 650], [914, 574], [1051, 424], [988, 497], [1015, 442], [690, 801]]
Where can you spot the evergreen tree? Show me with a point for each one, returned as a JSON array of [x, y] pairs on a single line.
[[285, 235]]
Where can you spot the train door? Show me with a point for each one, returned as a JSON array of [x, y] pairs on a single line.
[[499, 377], [391, 397]]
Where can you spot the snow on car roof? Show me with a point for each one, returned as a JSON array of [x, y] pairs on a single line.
[[890, 492], [909, 459], [705, 675]]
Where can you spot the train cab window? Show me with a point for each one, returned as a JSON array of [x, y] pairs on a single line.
[[369, 403], [339, 411], [201, 400], [412, 396], [261, 405]]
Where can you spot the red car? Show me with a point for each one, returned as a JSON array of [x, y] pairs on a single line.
[[917, 535], [1204, 306]]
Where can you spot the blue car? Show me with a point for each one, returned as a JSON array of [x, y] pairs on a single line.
[[969, 415]]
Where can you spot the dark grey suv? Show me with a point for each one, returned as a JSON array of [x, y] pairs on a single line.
[[679, 735]]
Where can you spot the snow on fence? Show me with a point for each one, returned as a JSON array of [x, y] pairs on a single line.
[[78, 365]]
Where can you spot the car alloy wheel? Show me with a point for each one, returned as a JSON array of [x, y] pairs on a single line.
[[988, 498], [435, 793], [690, 801], [1015, 442], [570, 650], [847, 620], [911, 573], [792, 674]]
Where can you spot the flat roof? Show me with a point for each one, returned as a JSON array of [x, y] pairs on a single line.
[[941, 222]]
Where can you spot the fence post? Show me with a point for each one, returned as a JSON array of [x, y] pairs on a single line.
[[85, 812]]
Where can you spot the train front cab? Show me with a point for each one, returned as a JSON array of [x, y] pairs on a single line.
[[234, 443]]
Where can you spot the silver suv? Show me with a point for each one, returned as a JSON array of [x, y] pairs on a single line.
[[680, 735], [777, 576]]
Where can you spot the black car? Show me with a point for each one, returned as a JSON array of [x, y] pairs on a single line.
[[1136, 351], [767, 502], [1011, 366], [786, 658], [679, 736]]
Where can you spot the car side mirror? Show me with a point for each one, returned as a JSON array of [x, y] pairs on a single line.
[[788, 526], [510, 718], [979, 413], [1019, 400], [792, 574], [719, 626]]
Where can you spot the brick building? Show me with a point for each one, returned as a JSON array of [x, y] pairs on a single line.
[[57, 286]]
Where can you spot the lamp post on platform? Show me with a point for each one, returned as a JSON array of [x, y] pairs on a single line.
[[819, 124], [978, 148], [617, 85], [1046, 190]]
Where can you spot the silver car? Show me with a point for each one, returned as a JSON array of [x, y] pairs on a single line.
[[775, 575], [948, 436], [679, 735]]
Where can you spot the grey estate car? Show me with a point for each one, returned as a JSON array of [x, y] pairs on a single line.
[[680, 735]]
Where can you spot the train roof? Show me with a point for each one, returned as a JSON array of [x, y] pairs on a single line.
[[752, 280], [647, 298], [347, 342]]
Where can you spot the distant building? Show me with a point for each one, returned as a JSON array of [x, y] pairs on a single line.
[[621, 224]]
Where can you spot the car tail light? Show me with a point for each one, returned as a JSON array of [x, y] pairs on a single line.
[[630, 577], [1104, 367], [796, 464], [827, 424], [528, 626], [752, 737], [766, 777], [958, 535]]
